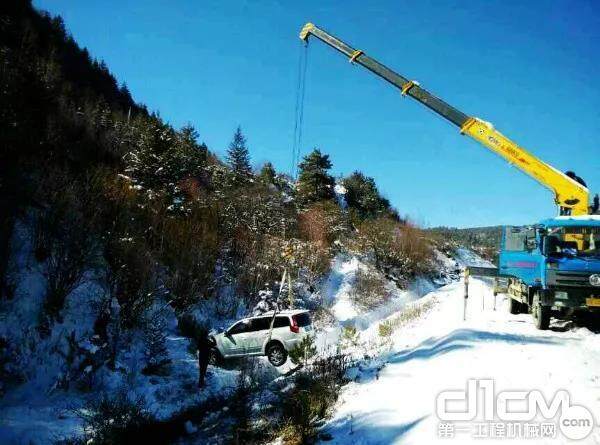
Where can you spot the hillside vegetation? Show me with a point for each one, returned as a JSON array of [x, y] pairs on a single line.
[[116, 227], [483, 240]]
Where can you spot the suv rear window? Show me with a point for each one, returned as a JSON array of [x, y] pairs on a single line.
[[302, 319]]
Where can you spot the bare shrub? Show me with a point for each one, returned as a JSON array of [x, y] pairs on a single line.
[[396, 245], [322, 223], [131, 278], [369, 289], [312, 398], [115, 419], [242, 397], [409, 313], [65, 240], [190, 246]]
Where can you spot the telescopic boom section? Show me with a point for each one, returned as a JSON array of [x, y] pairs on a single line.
[[571, 196]]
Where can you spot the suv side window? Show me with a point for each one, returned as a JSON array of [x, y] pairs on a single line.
[[260, 324], [281, 322], [240, 327]]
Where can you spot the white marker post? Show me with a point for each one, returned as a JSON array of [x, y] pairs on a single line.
[[466, 294]]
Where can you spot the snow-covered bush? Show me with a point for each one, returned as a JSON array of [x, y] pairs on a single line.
[[369, 289]]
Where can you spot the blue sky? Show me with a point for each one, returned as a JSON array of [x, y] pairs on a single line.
[[531, 68]]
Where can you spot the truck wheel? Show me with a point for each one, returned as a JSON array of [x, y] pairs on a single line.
[[541, 315], [514, 306], [276, 354]]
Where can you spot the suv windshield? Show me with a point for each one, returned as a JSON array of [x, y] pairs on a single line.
[[562, 241]]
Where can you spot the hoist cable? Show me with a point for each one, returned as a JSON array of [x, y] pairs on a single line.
[[299, 111], [302, 95]]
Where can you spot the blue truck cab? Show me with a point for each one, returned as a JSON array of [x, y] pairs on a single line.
[[552, 267]]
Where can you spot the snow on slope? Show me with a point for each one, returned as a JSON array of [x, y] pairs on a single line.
[[393, 401], [465, 257], [337, 294]]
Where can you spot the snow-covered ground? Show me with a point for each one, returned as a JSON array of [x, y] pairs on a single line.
[[392, 397], [392, 400]]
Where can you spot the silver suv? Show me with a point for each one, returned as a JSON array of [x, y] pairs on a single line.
[[250, 336]]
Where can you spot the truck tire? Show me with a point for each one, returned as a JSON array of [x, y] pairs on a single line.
[[541, 316], [514, 306], [276, 354]]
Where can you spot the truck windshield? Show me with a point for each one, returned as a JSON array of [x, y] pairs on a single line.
[[563, 241]]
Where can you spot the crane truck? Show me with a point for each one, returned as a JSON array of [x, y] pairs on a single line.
[[549, 267]]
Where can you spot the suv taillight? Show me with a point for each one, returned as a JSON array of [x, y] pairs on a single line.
[[294, 326]]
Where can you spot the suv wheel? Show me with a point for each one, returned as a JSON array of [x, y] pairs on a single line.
[[215, 357], [276, 354]]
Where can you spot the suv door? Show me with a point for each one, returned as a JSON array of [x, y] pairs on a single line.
[[235, 341], [260, 332]]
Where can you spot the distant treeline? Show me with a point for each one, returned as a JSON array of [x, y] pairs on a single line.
[[484, 240]]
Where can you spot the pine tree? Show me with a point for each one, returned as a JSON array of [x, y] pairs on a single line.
[[239, 157], [362, 196], [315, 183], [267, 173], [156, 352]]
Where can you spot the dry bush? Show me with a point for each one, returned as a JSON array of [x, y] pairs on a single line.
[[396, 246], [322, 223], [131, 278], [249, 218], [190, 249], [65, 239], [369, 289], [409, 313], [312, 399], [115, 419]]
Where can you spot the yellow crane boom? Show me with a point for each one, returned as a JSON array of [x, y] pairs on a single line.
[[570, 195]]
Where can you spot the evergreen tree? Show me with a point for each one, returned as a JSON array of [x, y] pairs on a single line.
[[239, 157], [267, 174], [156, 352], [362, 196], [315, 183]]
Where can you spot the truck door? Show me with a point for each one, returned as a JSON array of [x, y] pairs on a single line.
[[520, 255]]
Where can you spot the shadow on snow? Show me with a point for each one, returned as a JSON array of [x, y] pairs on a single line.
[[364, 429], [462, 339]]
